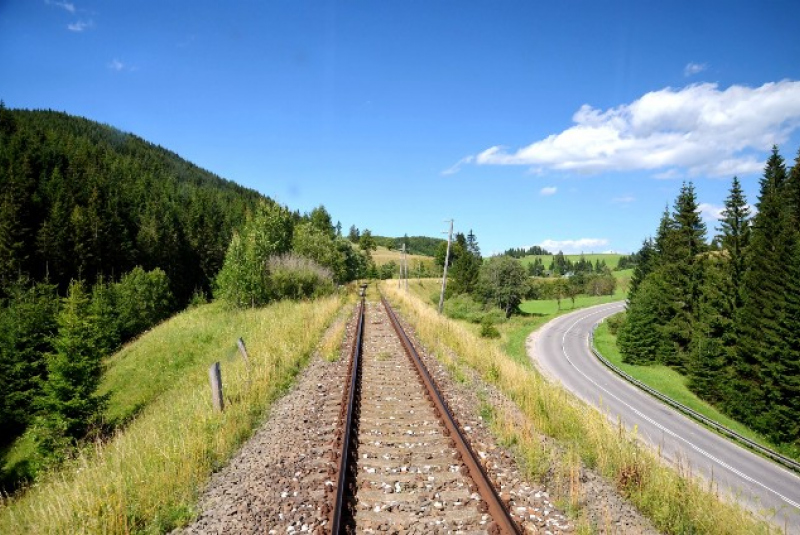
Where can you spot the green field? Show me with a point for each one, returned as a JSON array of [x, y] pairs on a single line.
[[611, 260], [147, 476], [670, 383]]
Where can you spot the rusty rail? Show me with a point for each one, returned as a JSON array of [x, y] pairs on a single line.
[[345, 433], [498, 511]]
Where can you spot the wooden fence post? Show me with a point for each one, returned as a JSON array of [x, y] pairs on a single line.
[[215, 377], [243, 351]]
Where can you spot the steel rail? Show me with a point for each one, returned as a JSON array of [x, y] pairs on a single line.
[[498, 511], [346, 419]]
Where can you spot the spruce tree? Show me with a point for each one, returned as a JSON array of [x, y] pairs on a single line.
[[735, 227], [713, 351], [793, 191], [761, 343], [642, 338], [713, 338], [646, 262], [70, 405]]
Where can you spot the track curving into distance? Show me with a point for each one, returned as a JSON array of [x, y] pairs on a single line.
[[561, 350]]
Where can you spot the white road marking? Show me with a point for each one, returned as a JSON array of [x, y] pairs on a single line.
[[658, 425]]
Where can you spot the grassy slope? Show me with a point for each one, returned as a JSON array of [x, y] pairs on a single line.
[[674, 503], [670, 383], [611, 260], [147, 477], [383, 256]]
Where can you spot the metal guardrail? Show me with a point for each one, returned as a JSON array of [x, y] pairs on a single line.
[[721, 429]]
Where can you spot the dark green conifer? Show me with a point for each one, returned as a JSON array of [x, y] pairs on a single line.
[[761, 343], [70, 405]]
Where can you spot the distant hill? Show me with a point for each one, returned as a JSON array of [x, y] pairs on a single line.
[[418, 245], [79, 199], [611, 259]]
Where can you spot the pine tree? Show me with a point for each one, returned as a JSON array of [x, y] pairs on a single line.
[[472, 245], [714, 337], [761, 343], [642, 338], [735, 227], [70, 405], [646, 262], [793, 191], [27, 328]]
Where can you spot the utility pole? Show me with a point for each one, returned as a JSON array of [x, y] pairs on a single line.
[[405, 267], [400, 268], [444, 273]]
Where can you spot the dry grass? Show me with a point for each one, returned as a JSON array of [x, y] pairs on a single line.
[[383, 256], [148, 477], [674, 502]]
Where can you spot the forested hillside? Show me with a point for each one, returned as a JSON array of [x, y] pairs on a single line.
[[102, 235], [727, 313], [80, 200]]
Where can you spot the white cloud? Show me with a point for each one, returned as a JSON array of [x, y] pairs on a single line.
[[694, 68], [710, 212], [695, 130], [116, 65], [582, 245], [80, 26], [627, 199], [68, 6], [455, 168], [548, 190]]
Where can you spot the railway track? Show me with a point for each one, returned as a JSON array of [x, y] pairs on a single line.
[[403, 462]]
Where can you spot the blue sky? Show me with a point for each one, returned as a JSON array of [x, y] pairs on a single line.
[[568, 124]]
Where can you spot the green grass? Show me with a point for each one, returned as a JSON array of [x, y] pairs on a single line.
[[673, 500], [670, 383], [147, 477], [611, 260]]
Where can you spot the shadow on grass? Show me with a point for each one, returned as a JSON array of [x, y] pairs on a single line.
[[14, 475]]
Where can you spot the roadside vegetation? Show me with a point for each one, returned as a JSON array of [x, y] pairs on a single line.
[[674, 501], [147, 477], [725, 314], [665, 380]]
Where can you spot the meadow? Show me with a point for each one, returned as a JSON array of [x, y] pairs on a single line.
[[611, 259], [147, 477], [670, 497]]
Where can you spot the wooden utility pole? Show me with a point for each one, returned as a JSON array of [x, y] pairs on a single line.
[[444, 273], [404, 267]]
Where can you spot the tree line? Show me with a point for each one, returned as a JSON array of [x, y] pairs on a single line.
[[81, 201], [727, 312], [502, 281], [102, 236]]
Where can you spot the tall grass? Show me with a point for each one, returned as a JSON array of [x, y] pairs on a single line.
[[147, 478], [674, 502]]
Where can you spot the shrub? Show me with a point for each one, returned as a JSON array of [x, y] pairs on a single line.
[[143, 299], [615, 322], [488, 330], [296, 277]]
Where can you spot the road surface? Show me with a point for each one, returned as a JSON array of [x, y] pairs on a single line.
[[560, 349]]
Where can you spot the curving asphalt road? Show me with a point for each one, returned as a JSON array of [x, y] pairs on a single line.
[[561, 350]]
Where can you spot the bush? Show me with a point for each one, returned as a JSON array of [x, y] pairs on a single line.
[[488, 330], [615, 322], [143, 299], [464, 307], [295, 277]]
